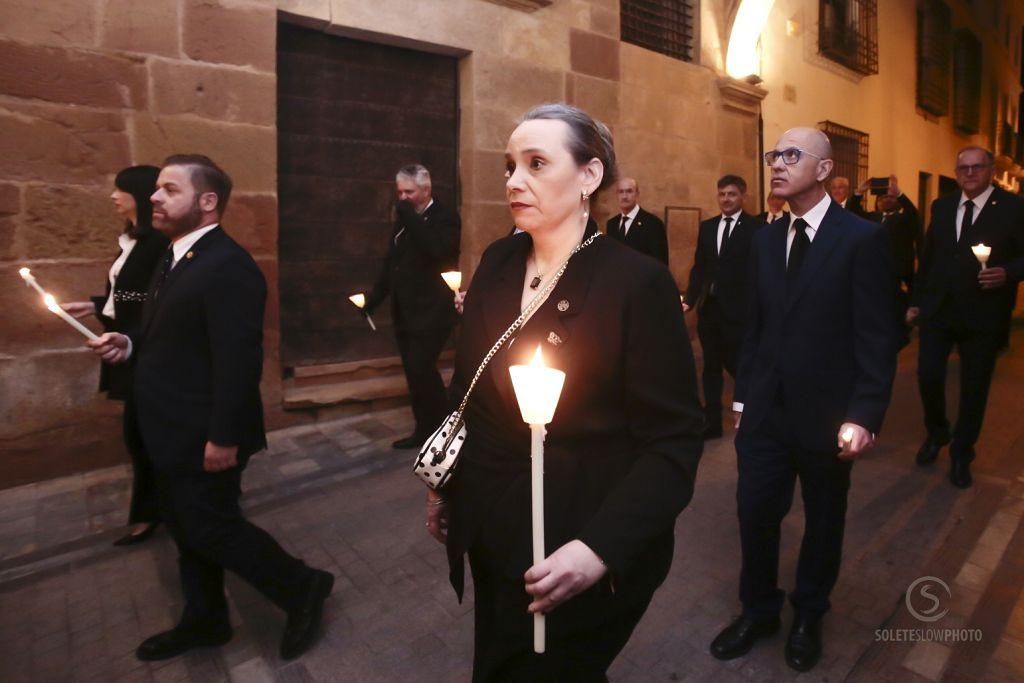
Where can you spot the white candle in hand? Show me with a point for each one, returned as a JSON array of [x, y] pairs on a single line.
[[538, 389], [453, 279], [52, 304], [848, 435], [30, 280], [360, 301], [982, 252]]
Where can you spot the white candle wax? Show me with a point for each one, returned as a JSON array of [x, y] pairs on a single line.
[[982, 252], [453, 279], [54, 307], [538, 389], [848, 435], [30, 280]]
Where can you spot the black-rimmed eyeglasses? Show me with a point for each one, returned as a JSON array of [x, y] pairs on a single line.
[[790, 156]]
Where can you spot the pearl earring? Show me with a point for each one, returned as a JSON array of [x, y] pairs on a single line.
[[586, 196]]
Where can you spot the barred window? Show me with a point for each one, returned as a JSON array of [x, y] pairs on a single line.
[[665, 26], [966, 82], [848, 33], [849, 151], [934, 36]]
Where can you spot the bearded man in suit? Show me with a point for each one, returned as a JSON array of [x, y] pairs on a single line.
[[198, 358]]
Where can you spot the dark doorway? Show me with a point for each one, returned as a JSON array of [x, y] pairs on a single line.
[[947, 185], [350, 114]]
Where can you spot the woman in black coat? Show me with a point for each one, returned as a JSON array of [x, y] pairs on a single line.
[[621, 452], [119, 309]]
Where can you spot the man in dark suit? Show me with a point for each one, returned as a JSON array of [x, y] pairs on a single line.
[[635, 227], [813, 383], [959, 303], [424, 244], [718, 290], [775, 211], [198, 358]]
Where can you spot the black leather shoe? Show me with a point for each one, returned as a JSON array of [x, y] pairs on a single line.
[[929, 451], [132, 539], [738, 637], [303, 626], [411, 441], [803, 648], [180, 640], [960, 474]]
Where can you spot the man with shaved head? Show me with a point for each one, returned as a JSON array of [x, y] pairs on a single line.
[[637, 228], [814, 377]]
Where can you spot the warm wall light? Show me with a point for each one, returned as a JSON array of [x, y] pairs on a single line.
[[742, 59]]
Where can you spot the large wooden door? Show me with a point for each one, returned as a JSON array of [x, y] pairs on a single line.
[[350, 114]]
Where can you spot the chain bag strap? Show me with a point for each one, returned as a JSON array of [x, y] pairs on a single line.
[[435, 462]]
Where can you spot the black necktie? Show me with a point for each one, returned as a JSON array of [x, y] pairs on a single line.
[[968, 218], [165, 268], [801, 243], [622, 225], [725, 233]]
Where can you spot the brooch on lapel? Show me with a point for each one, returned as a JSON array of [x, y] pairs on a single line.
[[189, 254], [563, 306], [554, 339]]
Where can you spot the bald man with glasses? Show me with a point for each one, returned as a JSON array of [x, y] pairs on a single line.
[[813, 382]]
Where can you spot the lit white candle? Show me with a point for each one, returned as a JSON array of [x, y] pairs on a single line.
[[30, 280], [453, 279], [54, 307], [982, 252], [538, 389], [360, 301]]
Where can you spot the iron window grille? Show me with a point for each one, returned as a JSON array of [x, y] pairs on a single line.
[[849, 151], [966, 82], [848, 33], [934, 36], [665, 26]]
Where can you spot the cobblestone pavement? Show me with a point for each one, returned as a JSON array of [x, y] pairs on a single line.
[[74, 608]]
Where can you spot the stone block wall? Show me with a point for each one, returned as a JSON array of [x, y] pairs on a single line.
[[88, 87]]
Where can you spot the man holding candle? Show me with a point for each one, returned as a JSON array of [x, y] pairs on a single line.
[[814, 377], [959, 303], [424, 244], [198, 359]]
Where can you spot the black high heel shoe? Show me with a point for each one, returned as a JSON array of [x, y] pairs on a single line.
[[132, 539]]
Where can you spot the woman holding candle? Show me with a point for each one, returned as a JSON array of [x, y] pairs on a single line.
[[120, 309], [621, 452]]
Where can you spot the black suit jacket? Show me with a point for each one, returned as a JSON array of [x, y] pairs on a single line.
[[421, 248], [130, 289], [827, 349], [905, 235], [646, 234], [621, 453], [764, 217], [199, 355], [728, 271], [947, 278]]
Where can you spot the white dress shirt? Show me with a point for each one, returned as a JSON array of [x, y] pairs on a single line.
[[721, 229], [630, 217], [979, 203], [127, 243]]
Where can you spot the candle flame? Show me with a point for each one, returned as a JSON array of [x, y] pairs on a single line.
[[538, 359], [358, 299], [848, 434], [453, 278], [25, 273], [50, 302]]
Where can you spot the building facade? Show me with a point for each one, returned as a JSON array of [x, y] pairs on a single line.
[[312, 104]]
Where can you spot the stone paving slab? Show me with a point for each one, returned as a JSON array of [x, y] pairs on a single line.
[[393, 617]]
